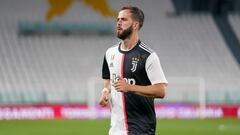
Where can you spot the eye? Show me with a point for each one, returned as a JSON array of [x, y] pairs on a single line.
[[124, 19]]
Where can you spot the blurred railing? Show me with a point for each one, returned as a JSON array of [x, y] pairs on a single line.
[[179, 90]]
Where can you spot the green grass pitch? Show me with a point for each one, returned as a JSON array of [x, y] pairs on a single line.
[[100, 127]]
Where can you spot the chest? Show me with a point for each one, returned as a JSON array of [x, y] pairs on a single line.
[[127, 65]]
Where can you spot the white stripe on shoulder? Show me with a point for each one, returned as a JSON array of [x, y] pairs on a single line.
[[148, 48], [145, 49]]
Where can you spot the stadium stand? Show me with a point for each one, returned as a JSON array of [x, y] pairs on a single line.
[[56, 68]]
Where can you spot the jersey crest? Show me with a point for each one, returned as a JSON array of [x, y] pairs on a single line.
[[134, 64]]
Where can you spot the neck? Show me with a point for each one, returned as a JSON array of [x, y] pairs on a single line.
[[130, 42]]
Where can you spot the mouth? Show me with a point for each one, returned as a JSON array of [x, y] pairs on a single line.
[[118, 28]]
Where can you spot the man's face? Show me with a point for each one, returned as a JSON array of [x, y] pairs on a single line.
[[124, 24]]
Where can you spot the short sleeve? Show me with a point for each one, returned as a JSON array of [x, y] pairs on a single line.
[[154, 69], [105, 69]]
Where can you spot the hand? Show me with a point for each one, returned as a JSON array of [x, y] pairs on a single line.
[[104, 98], [121, 85]]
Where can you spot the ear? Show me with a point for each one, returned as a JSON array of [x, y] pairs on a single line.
[[136, 25]]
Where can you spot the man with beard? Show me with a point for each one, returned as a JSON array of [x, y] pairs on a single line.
[[132, 78]]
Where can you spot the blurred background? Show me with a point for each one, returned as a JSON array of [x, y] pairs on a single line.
[[51, 54]]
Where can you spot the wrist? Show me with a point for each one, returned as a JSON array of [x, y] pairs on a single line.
[[105, 90], [130, 87]]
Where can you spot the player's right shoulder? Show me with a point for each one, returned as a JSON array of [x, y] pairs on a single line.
[[112, 49]]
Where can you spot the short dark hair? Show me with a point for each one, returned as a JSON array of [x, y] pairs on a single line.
[[137, 14]]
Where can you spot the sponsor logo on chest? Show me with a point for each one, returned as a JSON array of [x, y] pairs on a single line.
[[115, 79]]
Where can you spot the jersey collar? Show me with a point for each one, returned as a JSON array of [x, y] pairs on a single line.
[[121, 51]]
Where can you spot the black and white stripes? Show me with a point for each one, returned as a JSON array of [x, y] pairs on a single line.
[[145, 47]]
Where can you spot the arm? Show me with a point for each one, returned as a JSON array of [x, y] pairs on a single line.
[[103, 101], [156, 90], [105, 92]]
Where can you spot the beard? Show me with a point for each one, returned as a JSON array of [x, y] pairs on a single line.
[[126, 33]]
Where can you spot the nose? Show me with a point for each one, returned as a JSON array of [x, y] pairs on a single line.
[[119, 22]]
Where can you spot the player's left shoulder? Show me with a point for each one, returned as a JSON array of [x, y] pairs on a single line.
[[146, 48]]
